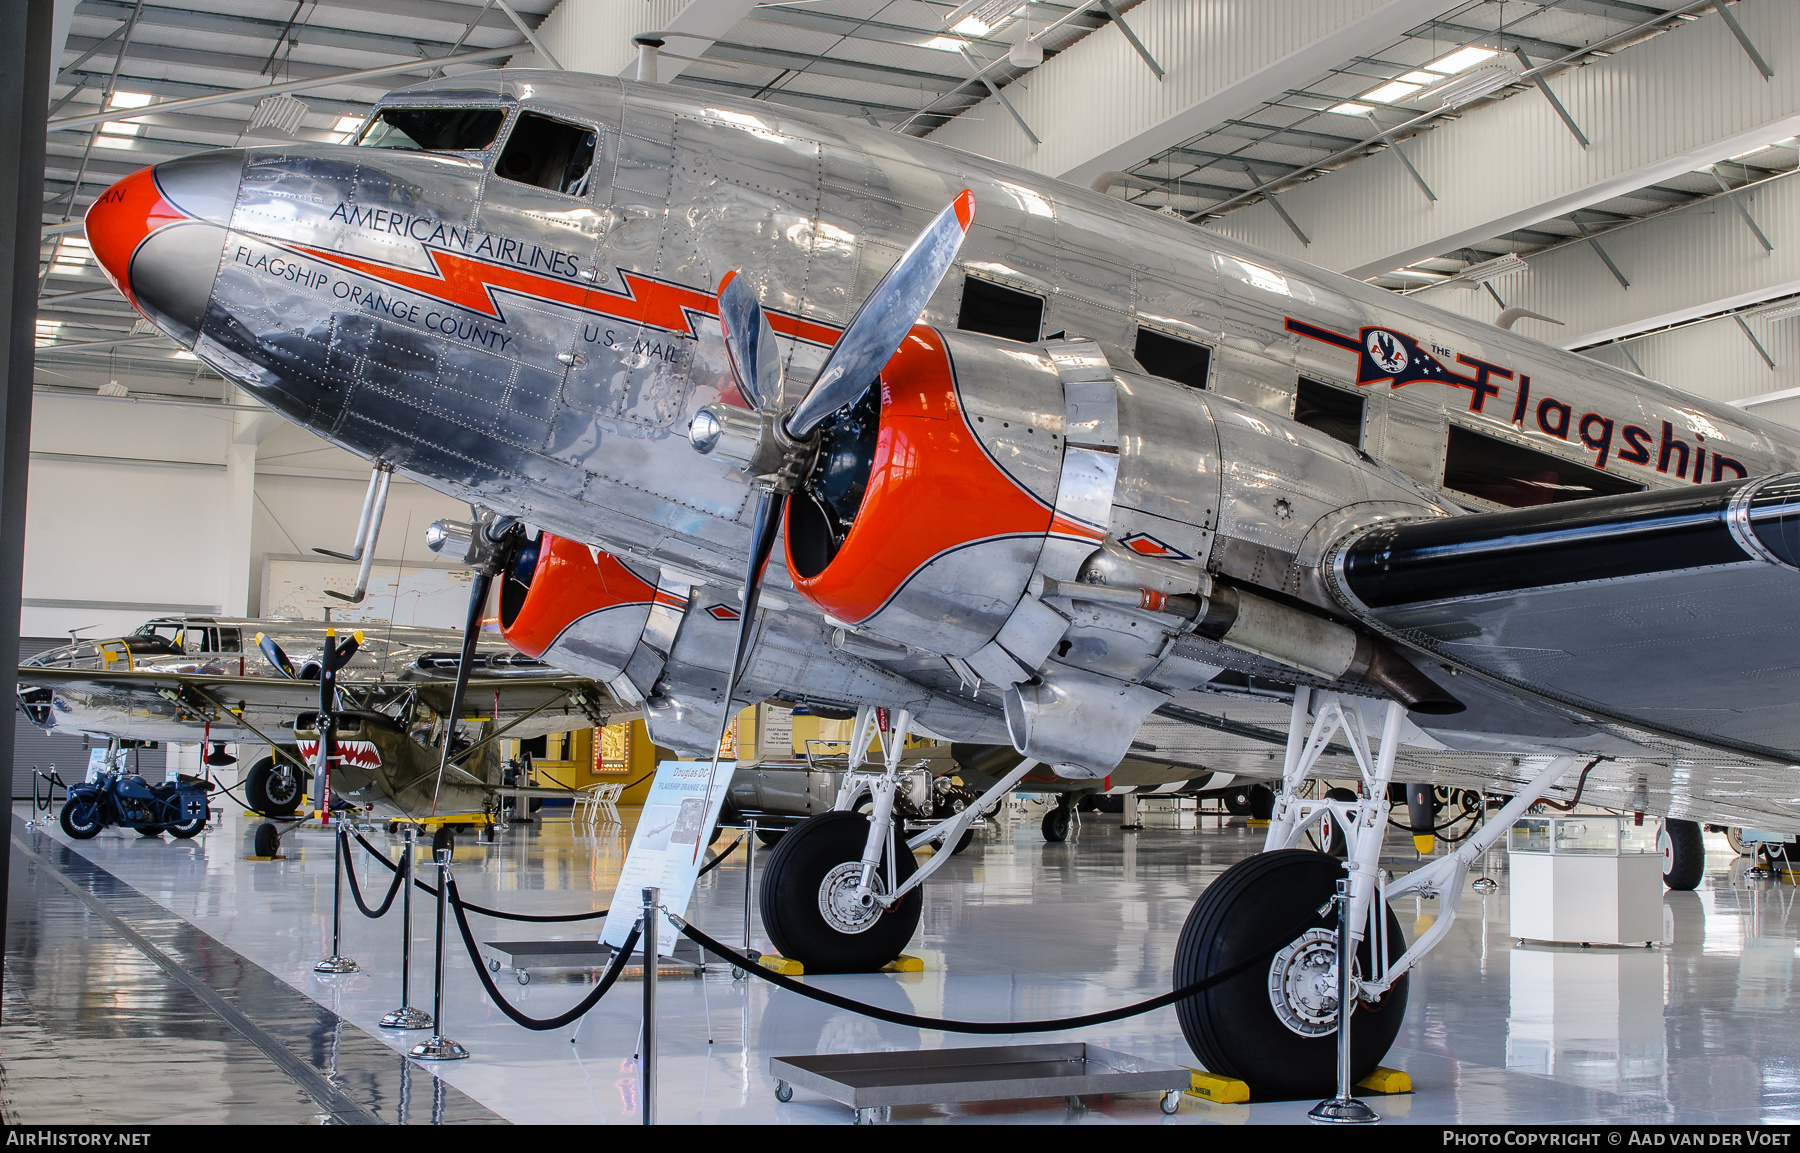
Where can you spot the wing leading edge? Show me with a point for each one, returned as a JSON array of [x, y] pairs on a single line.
[[1675, 610]]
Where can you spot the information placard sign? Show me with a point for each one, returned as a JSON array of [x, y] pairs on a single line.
[[677, 819]]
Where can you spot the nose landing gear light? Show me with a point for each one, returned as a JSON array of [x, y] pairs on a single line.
[[1274, 1026], [809, 902]]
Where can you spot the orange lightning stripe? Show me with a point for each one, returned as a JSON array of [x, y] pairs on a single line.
[[467, 283]]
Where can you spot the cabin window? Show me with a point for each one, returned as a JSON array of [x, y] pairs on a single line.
[[1518, 477], [1182, 361], [1333, 411], [433, 129], [548, 153], [1000, 311]]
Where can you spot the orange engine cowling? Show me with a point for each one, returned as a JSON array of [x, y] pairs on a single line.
[[931, 499], [575, 607]]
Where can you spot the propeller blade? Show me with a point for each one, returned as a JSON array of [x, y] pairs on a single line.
[[340, 656], [273, 654], [764, 527], [750, 346], [478, 597], [875, 332]]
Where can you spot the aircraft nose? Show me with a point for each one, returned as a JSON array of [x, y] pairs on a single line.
[[159, 233]]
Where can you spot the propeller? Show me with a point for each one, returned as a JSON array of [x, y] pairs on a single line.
[[272, 653], [775, 448], [490, 543]]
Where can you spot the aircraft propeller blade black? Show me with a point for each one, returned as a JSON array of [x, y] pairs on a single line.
[[273, 654], [478, 598]]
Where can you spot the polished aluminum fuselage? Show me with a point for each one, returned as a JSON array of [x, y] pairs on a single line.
[[542, 355]]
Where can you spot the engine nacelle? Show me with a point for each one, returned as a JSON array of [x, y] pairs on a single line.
[[931, 502], [575, 607]]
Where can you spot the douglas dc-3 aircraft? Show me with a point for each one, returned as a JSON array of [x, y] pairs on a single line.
[[1049, 466], [193, 679]]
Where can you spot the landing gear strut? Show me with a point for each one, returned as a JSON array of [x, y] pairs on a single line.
[[1276, 1026], [842, 891]]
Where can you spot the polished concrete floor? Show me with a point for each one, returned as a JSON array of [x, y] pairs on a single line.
[[172, 980]]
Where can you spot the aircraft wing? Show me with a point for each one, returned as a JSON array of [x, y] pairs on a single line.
[[560, 703], [1673, 611]]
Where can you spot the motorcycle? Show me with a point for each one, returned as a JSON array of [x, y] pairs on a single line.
[[134, 803]]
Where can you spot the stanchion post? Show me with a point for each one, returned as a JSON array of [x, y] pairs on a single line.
[[647, 1052], [1344, 1109], [337, 962], [407, 1017], [438, 1047], [749, 879]]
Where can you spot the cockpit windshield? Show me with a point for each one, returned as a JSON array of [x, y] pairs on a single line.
[[433, 129], [157, 638]]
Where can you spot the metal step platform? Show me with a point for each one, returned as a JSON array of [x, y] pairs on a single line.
[[526, 957], [872, 1083]]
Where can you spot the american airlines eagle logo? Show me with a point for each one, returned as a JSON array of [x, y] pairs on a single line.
[[1385, 349]]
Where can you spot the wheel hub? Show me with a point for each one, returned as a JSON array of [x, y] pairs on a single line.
[[1303, 982], [282, 787], [839, 903]]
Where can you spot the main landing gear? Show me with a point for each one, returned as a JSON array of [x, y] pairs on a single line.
[[1275, 1025], [273, 787], [842, 891]]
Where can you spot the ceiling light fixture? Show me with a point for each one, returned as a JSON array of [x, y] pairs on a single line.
[[1351, 108], [1391, 91], [1475, 275], [1460, 59], [980, 17], [1474, 85], [1785, 311]]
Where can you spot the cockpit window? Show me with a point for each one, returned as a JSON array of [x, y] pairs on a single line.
[[548, 153], [433, 129]]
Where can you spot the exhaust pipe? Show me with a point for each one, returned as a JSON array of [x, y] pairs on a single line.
[[1280, 633]]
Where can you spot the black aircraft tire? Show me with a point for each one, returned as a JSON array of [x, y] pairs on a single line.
[[770, 837], [1237, 802], [1262, 802], [444, 838], [962, 842], [1233, 1027], [272, 793], [80, 818], [1683, 854], [793, 885], [268, 840], [1056, 825]]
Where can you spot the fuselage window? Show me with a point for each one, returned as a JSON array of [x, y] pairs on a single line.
[[1182, 361], [548, 153], [1518, 477], [433, 129], [1333, 411], [1000, 311]]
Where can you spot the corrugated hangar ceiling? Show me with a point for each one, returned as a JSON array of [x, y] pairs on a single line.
[[218, 73]]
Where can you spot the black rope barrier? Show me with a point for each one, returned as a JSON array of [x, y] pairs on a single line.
[[543, 918], [1261, 956], [539, 1024], [356, 889], [720, 859]]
